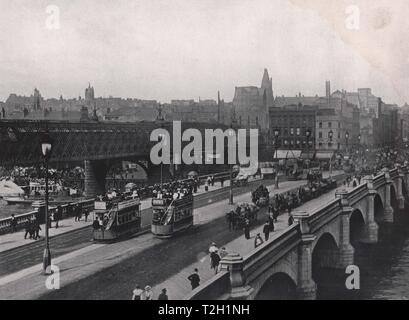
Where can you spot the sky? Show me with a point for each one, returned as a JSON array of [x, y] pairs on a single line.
[[186, 49]]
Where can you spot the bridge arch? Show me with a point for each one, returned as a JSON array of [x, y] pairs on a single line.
[[356, 226], [394, 198], [324, 260], [280, 286], [379, 208]]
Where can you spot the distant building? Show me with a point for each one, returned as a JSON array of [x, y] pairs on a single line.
[[292, 123], [251, 104]]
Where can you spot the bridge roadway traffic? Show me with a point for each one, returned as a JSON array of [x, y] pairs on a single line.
[[31, 254], [109, 271]]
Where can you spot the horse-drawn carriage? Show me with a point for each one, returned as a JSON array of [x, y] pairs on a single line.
[[241, 180], [245, 211], [260, 196]]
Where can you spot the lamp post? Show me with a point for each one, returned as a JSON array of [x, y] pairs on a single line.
[[330, 135], [46, 148], [231, 134], [346, 140], [276, 134], [308, 134]]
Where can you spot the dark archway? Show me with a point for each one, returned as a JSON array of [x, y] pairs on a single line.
[[356, 226], [324, 272], [378, 209], [278, 287], [394, 199]]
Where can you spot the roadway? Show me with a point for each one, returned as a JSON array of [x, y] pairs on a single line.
[[31, 254], [182, 254]]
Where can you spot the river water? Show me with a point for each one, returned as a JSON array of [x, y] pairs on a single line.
[[384, 267]]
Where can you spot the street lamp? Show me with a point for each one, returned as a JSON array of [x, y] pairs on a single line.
[[46, 148], [330, 136], [308, 134], [231, 134], [276, 134], [346, 140]]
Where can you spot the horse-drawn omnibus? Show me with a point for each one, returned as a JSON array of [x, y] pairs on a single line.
[[119, 219], [171, 215]]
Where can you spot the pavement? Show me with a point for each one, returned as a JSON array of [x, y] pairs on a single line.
[[83, 271]]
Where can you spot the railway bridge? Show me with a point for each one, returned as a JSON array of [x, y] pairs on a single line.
[[95, 145], [316, 241]]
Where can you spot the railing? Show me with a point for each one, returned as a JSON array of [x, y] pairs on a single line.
[[67, 211]]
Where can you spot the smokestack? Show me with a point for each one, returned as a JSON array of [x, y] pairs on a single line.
[[218, 106], [379, 107], [328, 89]]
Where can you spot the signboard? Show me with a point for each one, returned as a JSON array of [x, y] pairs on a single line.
[[266, 168], [100, 205]]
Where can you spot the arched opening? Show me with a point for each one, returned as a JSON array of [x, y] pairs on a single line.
[[378, 209], [124, 172], [356, 227], [394, 199], [324, 272], [278, 287]]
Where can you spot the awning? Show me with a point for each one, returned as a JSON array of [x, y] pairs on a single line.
[[287, 154], [320, 155], [307, 155]]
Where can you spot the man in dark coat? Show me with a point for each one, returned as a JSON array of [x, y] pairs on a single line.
[[194, 279], [247, 229], [266, 230]]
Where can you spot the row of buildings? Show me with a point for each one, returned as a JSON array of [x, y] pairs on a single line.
[[336, 121]]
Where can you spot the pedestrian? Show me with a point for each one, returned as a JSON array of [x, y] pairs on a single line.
[[247, 229], [148, 293], [258, 241], [137, 293], [194, 279], [95, 224], [57, 216], [79, 213], [223, 252], [13, 223], [86, 214], [290, 220], [214, 261], [213, 248], [28, 229], [36, 230], [266, 230], [163, 295]]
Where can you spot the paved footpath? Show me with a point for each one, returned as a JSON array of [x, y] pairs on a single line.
[[74, 266], [14, 240]]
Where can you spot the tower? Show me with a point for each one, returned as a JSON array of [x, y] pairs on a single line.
[[267, 85]]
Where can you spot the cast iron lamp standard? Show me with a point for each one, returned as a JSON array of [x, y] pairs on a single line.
[[46, 148], [330, 136], [346, 141], [231, 133], [276, 134], [308, 134]]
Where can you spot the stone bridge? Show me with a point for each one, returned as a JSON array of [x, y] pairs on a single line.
[[321, 239]]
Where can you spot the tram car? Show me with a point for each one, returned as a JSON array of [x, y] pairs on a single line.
[[119, 219], [171, 216]]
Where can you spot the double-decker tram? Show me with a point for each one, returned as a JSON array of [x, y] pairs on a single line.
[[116, 219], [171, 215]]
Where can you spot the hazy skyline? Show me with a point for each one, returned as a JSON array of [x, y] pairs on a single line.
[[183, 49]]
